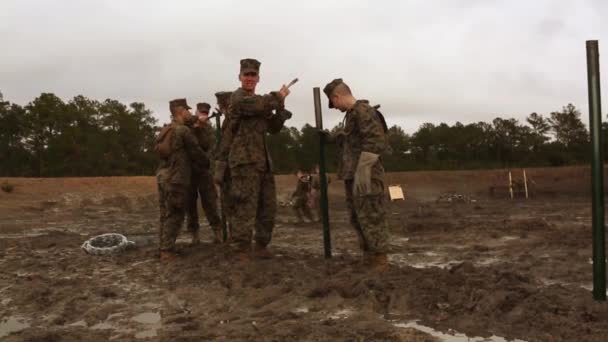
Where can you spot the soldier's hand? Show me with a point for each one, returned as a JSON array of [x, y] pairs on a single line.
[[285, 114], [284, 92]]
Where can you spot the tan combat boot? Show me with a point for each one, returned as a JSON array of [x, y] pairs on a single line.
[[379, 262], [261, 252], [167, 256], [241, 253], [196, 240], [218, 235]]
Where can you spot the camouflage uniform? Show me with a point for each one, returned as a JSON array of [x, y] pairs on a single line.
[[301, 198], [173, 178], [202, 184], [364, 132], [253, 188]]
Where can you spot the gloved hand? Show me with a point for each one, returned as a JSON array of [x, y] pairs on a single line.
[[219, 171], [285, 114], [362, 184]]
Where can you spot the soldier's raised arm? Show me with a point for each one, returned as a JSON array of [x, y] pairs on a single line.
[[244, 104]]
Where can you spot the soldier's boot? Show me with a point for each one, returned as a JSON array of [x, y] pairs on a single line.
[[196, 239], [261, 252], [167, 256], [379, 262], [218, 235], [241, 253]]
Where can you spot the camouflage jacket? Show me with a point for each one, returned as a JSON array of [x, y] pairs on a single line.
[[204, 135], [186, 157], [303, 187], [363, 131], [251, 117]]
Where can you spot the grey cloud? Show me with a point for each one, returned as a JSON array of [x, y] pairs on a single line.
[[424, 61]]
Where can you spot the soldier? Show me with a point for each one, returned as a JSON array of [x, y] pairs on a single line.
[[300, 197], [202, 182], [180, 156], [363, 141], [221, 174], [253, 187]]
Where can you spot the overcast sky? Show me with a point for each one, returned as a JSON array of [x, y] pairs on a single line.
[[423, 60]]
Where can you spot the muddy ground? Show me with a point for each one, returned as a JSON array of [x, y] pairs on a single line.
[[494, 268]]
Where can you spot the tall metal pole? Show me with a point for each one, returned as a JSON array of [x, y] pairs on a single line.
[[597, 170], [218, 139], [322, 174]]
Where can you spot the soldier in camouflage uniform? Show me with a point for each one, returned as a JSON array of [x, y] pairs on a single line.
[[202, 182], [361, 169], [300, 197], [253, 188], [221, 174], [174, 176]]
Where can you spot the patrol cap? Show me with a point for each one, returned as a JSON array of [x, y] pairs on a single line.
[[250, 65], [178, 103], [223, 98], [203, 107], [329, 89]]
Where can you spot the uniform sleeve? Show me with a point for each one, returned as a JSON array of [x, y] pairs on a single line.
[[255, 105], [372, 132], [197, 157]]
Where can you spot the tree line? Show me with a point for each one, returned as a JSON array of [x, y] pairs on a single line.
[[50, 137]]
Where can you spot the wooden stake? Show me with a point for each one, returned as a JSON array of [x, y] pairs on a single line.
[[510, 185], [526, 184]]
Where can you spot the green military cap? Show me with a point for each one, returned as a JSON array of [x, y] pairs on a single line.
[[203, 107], [250, 65], [179, 103], [329, 89], [223, 97]]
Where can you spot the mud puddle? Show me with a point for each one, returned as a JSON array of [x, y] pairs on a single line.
[[454, 336]]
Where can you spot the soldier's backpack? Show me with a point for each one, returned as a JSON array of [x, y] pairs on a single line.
[[164, 141], [388, 150]]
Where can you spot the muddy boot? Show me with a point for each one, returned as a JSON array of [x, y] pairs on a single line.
[[378, 262], [261, 252], [241, 254], [218, 237], [196, 239], [167, 256]]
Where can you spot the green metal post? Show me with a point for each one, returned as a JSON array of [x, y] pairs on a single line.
[[597, 170], [218, 138], [322, 175]]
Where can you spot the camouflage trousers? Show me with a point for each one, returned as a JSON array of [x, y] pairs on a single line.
[[301, 206], [172, 201], [226, 201], [253, 192], [368, 217], [202, 186]]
